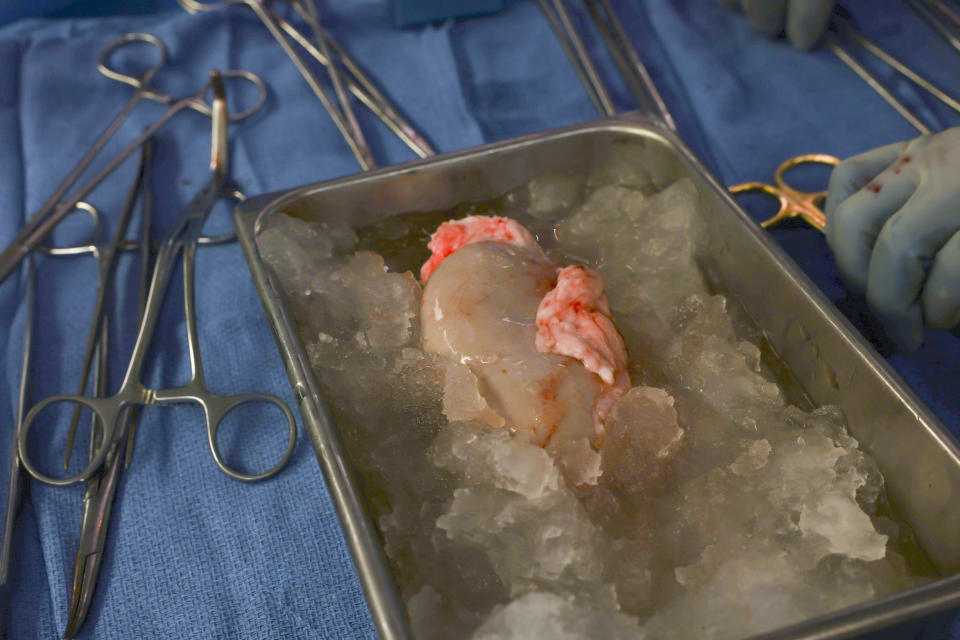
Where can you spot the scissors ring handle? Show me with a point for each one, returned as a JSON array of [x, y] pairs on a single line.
[[806, 158], [231, 192], [200, 100], [762, 187], [107, 411], [217, 407], [140, 82], [79, 249]]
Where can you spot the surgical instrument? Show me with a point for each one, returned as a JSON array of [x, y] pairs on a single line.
[[146, 220], [357, 81], [29, 237], [562, 25], [142, 90], [362, 87], [942, 18], [835, 46], [329, 54], [105, 261], [633, 70], [794, 203], [101, 487], [14, 488], [14, 477], [622, 51], [308, 11], [358, 146], [181, 239], [37, 227]]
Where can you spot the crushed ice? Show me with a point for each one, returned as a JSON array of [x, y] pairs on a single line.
[[720, 510]]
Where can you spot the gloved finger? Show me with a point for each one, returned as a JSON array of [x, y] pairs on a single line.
[[858, 221], [909, 237], [855, 172], [766, 16], [941, 293], [807, 20]]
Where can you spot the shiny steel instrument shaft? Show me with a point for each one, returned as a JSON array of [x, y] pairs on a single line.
[[16, 470], [875, 84], [633, 69], [569, 37], [363, 88], [308, 11]]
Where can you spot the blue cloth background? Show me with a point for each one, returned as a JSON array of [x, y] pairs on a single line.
[[192, 553]]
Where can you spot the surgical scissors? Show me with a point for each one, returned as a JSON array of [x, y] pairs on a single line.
[[109, 411], [105, 255], [944, 19], [308, 11], [325, 52], [42, 223], [101, 487], [360, 86], [794, 203], [14, 481], [357, 145], [13, 490], [806, 205], [618, 43], [863, 42]]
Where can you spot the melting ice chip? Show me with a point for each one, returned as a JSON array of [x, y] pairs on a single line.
[[848, 530], [546, 615]]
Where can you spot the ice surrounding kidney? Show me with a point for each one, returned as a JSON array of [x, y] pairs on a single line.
[[517, 495]]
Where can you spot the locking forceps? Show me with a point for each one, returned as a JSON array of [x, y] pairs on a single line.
[[844, 27], [618, 44], [101, 488], [182, 239], [106, 255], [13, 489], [328, 53], [52, 212], [359, 85], [142, 90], [357, 145], [15, 476]]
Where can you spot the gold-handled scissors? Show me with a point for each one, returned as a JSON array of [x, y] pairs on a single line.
[[794, 203]]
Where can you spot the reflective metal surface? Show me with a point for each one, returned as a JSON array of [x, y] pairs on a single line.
[[111, 412], [793, 202], [919, 458]]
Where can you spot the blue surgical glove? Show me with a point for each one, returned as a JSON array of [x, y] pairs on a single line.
[[893, 223], [806, 20]]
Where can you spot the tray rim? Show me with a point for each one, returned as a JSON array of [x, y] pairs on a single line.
[[386, 607]]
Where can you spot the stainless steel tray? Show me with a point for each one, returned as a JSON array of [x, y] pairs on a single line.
[[916, 453]]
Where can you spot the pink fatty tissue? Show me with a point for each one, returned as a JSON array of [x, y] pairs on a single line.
[[573, 319], [456, 234]]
